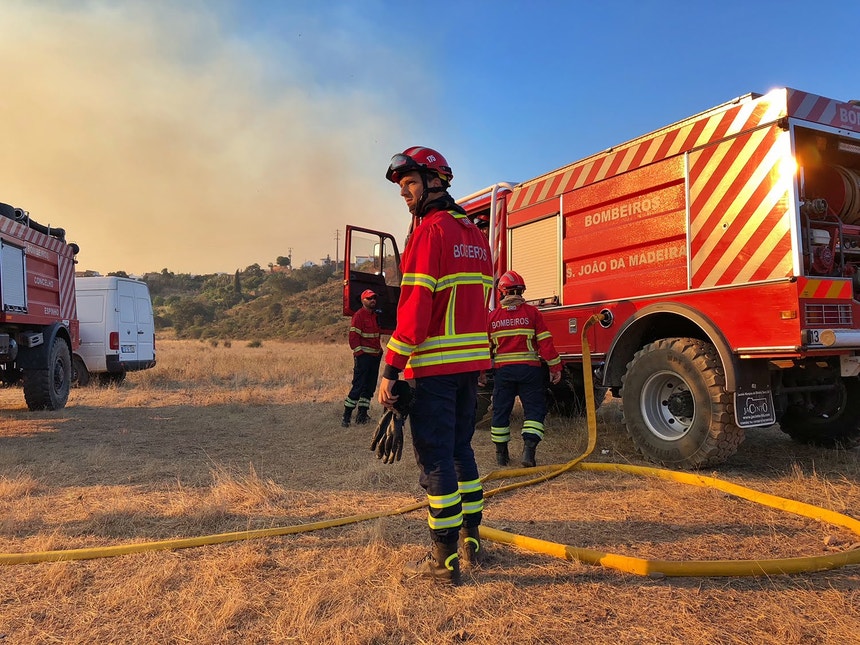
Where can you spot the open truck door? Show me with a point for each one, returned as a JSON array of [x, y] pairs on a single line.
[[372, 261]]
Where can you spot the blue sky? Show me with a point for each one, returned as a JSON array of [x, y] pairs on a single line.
[[514, 89], [208, 136]]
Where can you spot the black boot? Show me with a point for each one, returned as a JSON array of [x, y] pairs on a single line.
[[502, 457], [347, 414], [529, 445], [442, 563], [470, 547], [361, 418]]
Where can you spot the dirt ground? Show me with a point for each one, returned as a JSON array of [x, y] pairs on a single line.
[[210, 442]]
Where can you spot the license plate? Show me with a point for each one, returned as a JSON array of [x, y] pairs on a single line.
[[127, 349]]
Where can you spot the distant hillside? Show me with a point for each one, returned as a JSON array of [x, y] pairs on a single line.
[[314, 314], [254, 304]]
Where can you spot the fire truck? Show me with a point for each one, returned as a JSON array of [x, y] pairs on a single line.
[[38, 320], [722, 256]]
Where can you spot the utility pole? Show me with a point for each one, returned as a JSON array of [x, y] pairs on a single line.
[[337, 248]]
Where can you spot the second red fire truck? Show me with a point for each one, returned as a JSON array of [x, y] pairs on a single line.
[[722, 253], [38, 317]]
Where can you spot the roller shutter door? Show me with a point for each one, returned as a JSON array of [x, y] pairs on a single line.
[[534, 253]]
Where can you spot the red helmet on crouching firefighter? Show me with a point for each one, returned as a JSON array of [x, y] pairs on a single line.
[[429, 164], [511, 282]]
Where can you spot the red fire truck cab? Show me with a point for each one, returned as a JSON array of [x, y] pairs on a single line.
[[722, 253]]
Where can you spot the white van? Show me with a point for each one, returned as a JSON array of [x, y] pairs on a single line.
[[117, 330]]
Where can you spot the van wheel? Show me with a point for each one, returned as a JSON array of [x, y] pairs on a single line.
[[675, 405], [48, 389], [111, 378], [80, 373]]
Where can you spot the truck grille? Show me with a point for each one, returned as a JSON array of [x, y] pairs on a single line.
[[835, 315]]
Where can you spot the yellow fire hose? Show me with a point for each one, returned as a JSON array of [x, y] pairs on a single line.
[[638, 566]]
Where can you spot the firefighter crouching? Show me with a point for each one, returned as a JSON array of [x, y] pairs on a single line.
[[441, 342], [519, 339], [367, 354]]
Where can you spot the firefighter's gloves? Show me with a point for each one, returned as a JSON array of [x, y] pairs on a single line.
[[387, 439]]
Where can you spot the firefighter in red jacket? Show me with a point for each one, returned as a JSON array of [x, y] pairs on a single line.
[[441, 342], [519, 339], [367, 354]]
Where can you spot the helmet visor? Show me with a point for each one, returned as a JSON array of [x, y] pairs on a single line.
[[399, 165]]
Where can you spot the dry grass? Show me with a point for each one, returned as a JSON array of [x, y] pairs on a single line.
[[219, 439]]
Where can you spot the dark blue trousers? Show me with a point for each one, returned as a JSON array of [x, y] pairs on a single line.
[[526, 382], [365, 373], [443, 422]]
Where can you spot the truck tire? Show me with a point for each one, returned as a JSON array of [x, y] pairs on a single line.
[[9, 375], [48, 389], [482, 405], [833, 421], [80, 373], [567, 398], [675, 406]]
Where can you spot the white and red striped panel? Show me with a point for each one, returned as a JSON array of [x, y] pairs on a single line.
[[740, 229], [681, 137], [818, 109], [51, 251]]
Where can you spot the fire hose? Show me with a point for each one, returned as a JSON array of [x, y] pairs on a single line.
[[628, 564]]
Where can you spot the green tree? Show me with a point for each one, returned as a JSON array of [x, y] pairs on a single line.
[[191, 313]]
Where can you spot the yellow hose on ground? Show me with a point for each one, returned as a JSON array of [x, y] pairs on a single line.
[[638, 566], [660, 568]]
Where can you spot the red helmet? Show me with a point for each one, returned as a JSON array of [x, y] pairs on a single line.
[[511, 280], [482, 220], [419, 158]]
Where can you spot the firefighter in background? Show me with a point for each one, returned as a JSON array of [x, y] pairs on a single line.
[[367, 354], [519, 339], [441, 342], [482, 221]]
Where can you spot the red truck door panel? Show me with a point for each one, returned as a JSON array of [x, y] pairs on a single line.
[[372, 261]]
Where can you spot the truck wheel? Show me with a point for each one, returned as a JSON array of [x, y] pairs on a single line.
[[482, 405], [48, 389], [675, 406], [80, 373], [567, 398], [9, 375], [829, 418]]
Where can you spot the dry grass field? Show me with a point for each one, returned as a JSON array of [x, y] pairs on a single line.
[[219, 439]]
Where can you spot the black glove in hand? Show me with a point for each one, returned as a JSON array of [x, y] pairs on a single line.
[[388, 437], [378, 440]]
